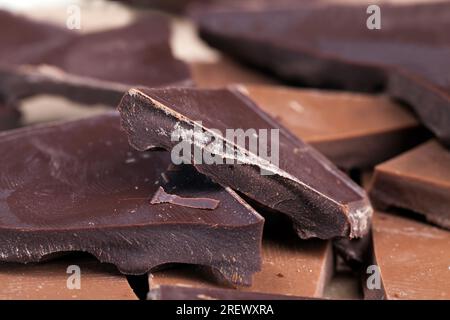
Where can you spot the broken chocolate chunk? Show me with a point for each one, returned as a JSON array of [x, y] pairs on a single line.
[[79, 186], [353, 130], [332, 46], [411, 260], [320, 200], [417, 180], [92, 68]]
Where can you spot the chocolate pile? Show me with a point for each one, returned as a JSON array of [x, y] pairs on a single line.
[[159, 198]]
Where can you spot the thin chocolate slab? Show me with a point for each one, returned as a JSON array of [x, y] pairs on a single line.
[[226, 72], [79, 186], [353, 130], [412, 258], [331, 46], [320, 200], [290, 267], [418, 180], [55, 280], [167, 292], [77, 66]]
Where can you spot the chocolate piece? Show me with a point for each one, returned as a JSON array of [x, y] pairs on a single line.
[[332, 46], [418, 180], [79, 186], [352, 130], [78, 66], [290, 268], [320, 200], [225, 72], [412, 258], [188, 293], [49, 280], [162, 196]]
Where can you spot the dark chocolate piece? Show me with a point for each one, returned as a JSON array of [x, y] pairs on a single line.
[[332, 46], [353, 130], [161, 196], [192, 293], [321, 201], [50, 279], [418, 180], [76, 65], [9, 116], [412, 259], [79, 186]]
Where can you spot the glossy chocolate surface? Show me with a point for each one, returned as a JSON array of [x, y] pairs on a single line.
[[79, 186], [319, 199], [417, 180], [60, 61], [331, 46]]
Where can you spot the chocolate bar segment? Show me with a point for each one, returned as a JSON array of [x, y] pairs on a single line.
[[418, 180], [92, 68], [290, 267], [319, 199], [332, 46], [79, 186], [353, 130], [410, 257], [57, 280]]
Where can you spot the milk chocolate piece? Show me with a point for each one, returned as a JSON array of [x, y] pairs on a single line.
[[50, 279], [418, 180], [290, 267], [320, 200], [412, 257], [352, 130], [332, 46], [226, 72], [191, 293], [79, 186], [93, 68]]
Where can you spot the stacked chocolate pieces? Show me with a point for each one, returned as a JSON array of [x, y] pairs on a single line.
[[229, 186]]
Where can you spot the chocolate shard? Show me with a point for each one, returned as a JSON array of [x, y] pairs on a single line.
[[9, 116], [50, 280], [320, 200], [418, 180], [355, 131], [332, 46], [167, 292], [79, 186], [92, 68], [411, 258], [161, 196]]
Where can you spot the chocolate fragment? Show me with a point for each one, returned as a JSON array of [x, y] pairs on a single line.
[[320, 200], [331, 46], [418, 180], [50, 279], [412, 259], [191, 293], [92, 68], [162, 196], [353, 130], [79, 186], [9, 116], [290, 267]]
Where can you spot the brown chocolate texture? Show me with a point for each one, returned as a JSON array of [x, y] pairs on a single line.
[[92, 68], [417, 180], [408, 56], [79, 186]]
